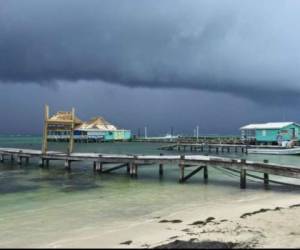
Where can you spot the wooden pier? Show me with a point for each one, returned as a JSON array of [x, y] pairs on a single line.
[[204, 147], [131, 163]]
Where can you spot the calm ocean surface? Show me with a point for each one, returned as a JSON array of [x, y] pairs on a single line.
[[39, 206]]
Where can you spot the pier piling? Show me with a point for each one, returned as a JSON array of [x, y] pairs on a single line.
[[205, 173], [19, 160], [67, 164], [161, 167], [128, 168], [266, 176], [181, 167], [1, 158]]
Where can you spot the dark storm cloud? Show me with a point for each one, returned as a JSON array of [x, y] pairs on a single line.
[[245, 48]]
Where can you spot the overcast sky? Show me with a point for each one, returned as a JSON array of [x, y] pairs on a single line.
[[216, 64]]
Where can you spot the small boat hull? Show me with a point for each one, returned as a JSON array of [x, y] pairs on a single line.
[[269, 151]]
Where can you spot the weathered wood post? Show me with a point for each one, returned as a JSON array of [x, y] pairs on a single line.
[[228, 149], [135, 166], [12, 158], [243, 175], [19, 160], [1, 158], [71, 139], [128, 168], [181, 168], [266, 176], [67, 164], [94, 166], [27, 160], [161, 167], [99, 166], [41, 162], [45, 131], [205, 173]]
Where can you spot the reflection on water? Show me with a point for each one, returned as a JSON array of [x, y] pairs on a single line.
[[42, 205]]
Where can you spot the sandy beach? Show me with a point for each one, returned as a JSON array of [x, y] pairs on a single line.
[[271, 221]]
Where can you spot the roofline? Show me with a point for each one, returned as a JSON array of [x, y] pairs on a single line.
[[269, 128]]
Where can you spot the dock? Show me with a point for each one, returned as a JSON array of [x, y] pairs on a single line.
[[131, 163], [206, 147]]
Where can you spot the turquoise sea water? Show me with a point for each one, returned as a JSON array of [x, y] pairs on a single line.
[[40, 205]]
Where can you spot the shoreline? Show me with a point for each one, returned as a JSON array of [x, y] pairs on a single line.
[[265, 222]]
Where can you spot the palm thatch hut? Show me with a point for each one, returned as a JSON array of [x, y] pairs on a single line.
[[99, 129]]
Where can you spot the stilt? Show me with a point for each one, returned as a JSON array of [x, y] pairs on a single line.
[[266, 176], [41, 162], [47, 163], [99, 166], [94, 166], [266, 179], [128, 168], [67, 164], [228, 149], [161, 167], [27, 160], [181, 167], [243, 179], [205, 173], [12, 158], [1, 158], [19, 160], [161, 170], [133, 170]]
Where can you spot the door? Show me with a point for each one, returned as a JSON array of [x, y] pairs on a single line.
[[294, 136]]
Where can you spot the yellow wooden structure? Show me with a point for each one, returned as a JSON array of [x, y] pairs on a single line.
[[60, 121]]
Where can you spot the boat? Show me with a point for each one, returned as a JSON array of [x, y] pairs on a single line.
[[275, 151]]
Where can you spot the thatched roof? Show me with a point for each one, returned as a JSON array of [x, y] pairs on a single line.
[[98, 123], [63, 117]]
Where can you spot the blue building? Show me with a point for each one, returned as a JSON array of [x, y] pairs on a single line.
[[99, 129], [271, 133]]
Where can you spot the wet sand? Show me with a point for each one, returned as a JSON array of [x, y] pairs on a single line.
[[270, 223]]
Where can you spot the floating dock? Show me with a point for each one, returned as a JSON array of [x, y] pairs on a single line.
[[132, 162]]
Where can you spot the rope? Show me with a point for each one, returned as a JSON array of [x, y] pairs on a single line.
[[260, 178], [232, 174]]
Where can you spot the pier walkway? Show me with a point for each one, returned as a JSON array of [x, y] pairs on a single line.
[[206, 147], [132, 163]]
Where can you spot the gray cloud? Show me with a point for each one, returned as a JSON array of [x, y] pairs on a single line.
[[245, 48]]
